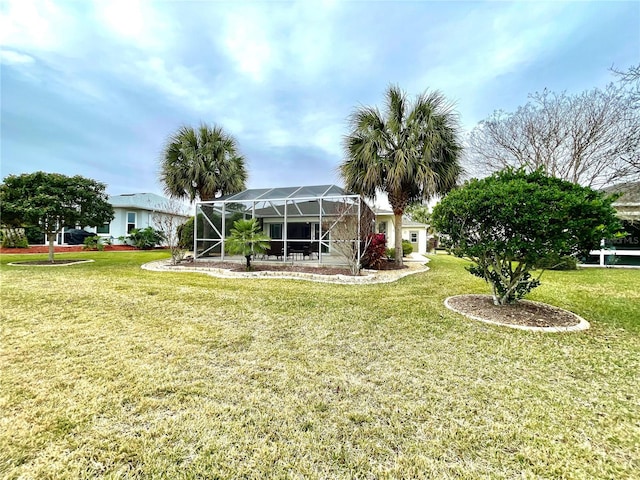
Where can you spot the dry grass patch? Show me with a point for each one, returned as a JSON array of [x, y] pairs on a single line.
[[109, 371]]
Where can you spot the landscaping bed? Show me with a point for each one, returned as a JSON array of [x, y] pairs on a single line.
[[279, 267], [61, 249]]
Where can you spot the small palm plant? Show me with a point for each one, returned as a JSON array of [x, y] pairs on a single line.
[[246, 239]]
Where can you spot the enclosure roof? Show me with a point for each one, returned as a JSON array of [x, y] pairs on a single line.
[[285, 193]]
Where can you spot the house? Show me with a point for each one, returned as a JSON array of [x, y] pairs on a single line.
[[136, 210], [140, 210], [623, 251], [414, 232]]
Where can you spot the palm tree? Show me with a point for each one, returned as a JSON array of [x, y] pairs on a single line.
[[411, 152], [201, 163], [246, 239]]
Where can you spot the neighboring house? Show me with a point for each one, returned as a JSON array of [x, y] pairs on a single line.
[[137, 210], [414, 232], [625, 250], [628, 205]]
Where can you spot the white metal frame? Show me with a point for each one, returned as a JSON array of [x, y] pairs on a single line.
[[281, 207]]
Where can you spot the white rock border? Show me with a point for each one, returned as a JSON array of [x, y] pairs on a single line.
[[373, 277], [51, 265], [582, 323]]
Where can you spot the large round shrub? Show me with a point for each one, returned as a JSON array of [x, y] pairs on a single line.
[[512, 222]]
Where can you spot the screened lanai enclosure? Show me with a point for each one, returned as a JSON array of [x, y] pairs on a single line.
[[320, 223]]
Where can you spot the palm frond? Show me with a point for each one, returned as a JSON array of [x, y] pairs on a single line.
[[201, 163]]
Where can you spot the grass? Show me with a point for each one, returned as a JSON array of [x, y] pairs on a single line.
[[109, 371]]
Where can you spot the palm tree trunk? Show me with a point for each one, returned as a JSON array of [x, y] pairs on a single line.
[[398, 202], [398, 240]]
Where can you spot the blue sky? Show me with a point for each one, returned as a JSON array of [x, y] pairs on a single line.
[[95, 87]]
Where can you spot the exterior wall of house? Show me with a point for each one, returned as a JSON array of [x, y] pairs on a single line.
[[386, 224], [420, 245], [120, 225]]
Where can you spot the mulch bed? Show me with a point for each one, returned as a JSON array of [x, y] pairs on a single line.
[[523, 313], [60, 249], [262, 267], [67, 261]]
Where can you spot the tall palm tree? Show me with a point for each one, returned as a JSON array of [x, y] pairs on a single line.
[[201, 163], [411, 152]]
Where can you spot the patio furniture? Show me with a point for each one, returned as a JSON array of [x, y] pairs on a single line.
[[276, 249]]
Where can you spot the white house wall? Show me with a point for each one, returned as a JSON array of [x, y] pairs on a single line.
[[406, 232]]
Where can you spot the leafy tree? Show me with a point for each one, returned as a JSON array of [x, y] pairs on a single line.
[[510, 223], [411, 152], [592, 138], [201, 163], [246, 239], [419, 212], [53, 201]]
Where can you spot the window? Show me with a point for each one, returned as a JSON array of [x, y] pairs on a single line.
[[414, 237], [102, 228], [131, 221], [382, 227], [275, 231]]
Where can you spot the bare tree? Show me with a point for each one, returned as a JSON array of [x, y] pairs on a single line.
[[167, 218], [591, 139], [630, 79], [350, 235]]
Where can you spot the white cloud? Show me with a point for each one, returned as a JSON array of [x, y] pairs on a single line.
[[135, 23], [15, 58], [175, 81], [33, 25], [248, 43]]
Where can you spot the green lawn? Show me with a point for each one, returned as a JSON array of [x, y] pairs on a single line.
[[110, 371]]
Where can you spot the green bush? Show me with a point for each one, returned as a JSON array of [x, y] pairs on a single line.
[[185, 234], [145, 238], [93, 243], [35, 235], [407, 248], [504, 225], [13, 238]]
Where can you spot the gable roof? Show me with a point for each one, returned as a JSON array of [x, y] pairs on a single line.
[[630, 193]]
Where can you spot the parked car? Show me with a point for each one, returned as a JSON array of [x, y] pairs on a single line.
[[75, 236]]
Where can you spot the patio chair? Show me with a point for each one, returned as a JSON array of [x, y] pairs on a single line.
[[314, 248], [276, 249]]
